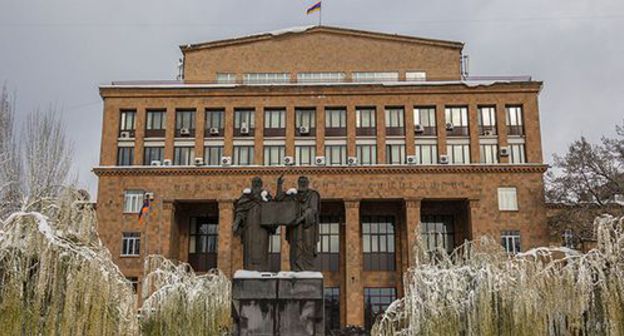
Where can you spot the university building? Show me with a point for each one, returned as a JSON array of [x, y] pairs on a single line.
[[399, 142]]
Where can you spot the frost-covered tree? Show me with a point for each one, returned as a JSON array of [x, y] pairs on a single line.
[[10, 193]]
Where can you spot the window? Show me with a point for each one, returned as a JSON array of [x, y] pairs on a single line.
[[133, 200], [335, 122], [266, 78], [458, 117], [507, 199], [366, 154], [153, 154], [489, 154], [183, 156], [569, 240], [365, 121], [125, 156], [127, 120], [134, 282], [426, 154], [305, 155], [516, 153], [332, 309], [275, 122], [511, 241], [226, 78], [305, 118], [458, 154], [203, 243], [244, 119], [155, 123], [415, 76], [395, 154], [437, 232], [212, 155], [514, 120], [376, 301], [336, 155], [273, 155], [215, 119], [185, 119], [130, 244], [328, 246], [321, 77], [378, 243], [487, 120], [275, 248], [375, 76], [394, 121], [425, 117], [243, 155]]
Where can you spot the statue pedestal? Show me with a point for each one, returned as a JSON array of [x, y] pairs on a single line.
[[285, 303]]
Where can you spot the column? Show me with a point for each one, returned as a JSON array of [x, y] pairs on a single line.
[[473, 127], [161, 235], [353, 283], [139, 136], [412, 224], [408, 109], [441, 129], [320, 131], [473, 215], [224, 249], [290, 131], [228, 131], [170, 132], [259, 136], [351, 136], [380, 123], [200, 129], [501, 130]]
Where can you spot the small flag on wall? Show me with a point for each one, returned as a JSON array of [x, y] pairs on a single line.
[[144, 210], [314, 8]]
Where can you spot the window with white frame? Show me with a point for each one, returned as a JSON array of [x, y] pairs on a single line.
[[226, 78], [244, 118], [487, 120], [304, 155], [183, 155], [133, 200], [153, 153], [156, 119], [335, 118], [321, 77], [336, 155], [425, 116], [305, 118], [458, 154], [273, 155], [185, 119], [130, 244], [395, 154], [375, 76], [125, 156], [365, 117], [516, 154], [489, 153], [507, 199], [458, 116], [514, 120], [426, 154], [266, 78], [243, 155], [127, 120], [366, 154], [415, 76], [212, 155], [394, 117], [511, 241], [275, 118], [215, 118]]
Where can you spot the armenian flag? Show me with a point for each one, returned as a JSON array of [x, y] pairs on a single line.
[[144, 210], [314, 8]]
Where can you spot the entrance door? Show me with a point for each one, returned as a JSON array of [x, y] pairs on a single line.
[[203, 234]]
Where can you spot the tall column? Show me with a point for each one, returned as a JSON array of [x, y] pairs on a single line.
[[473, 218], [412, 224], [161, 238], [228, 131], [353, 284], [501, 130], [259, 136], [290, 131], [473, 127], [320, 130], [409, 129], [200, 129], [351, 131], [380, 123], [441, 129], [170, 132], [224, 252], [139, 136]]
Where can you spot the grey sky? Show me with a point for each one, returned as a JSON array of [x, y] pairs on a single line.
[[59, 51]]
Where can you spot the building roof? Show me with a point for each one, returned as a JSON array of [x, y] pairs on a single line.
[[314, 29]]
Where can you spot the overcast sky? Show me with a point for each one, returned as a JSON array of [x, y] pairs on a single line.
[[59, 51]]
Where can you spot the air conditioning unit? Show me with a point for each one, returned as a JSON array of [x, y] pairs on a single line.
[[319, 160], [352, 161], [199, 161], [419, 128], [214, 131], [504, 151], [226, 160], [167, 162], [155, 163], [185, 131], [149, 196], [411, 159], [488, 133], [303, 130], [289, 160], [244, 130], [444, 159], [125, 135], [450, 126]]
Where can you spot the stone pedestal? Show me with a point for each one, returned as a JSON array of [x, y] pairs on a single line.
[[285, 303]]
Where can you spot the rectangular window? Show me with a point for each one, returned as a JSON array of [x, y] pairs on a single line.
[[203, 243], [273, 155], [457, 117], [328, 246], [266, 78], [226, 78], [275, 251], [183, 156], [215, 118], [516, 154], [366, 154], [415, 76], [185, 123], [394, 121], [274, 122], [375, 76], [134, 282], [212, 155], [127, 120], [487, 120], [378, 243], [244, 122], [426, 154], [395, 154], [376, 301], [511, 241], [569, 239], [321, 77], [437, 232], [426, 118], [155, 123], [153, 154], [125, 156], [336, 155], [332, 309], [304, 155], [458, 154], [133, 200], [365, 121], [335, 122], [243, 155], [305, 118], [515, 124], [489, 154], [507, 199], [130, 244]]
